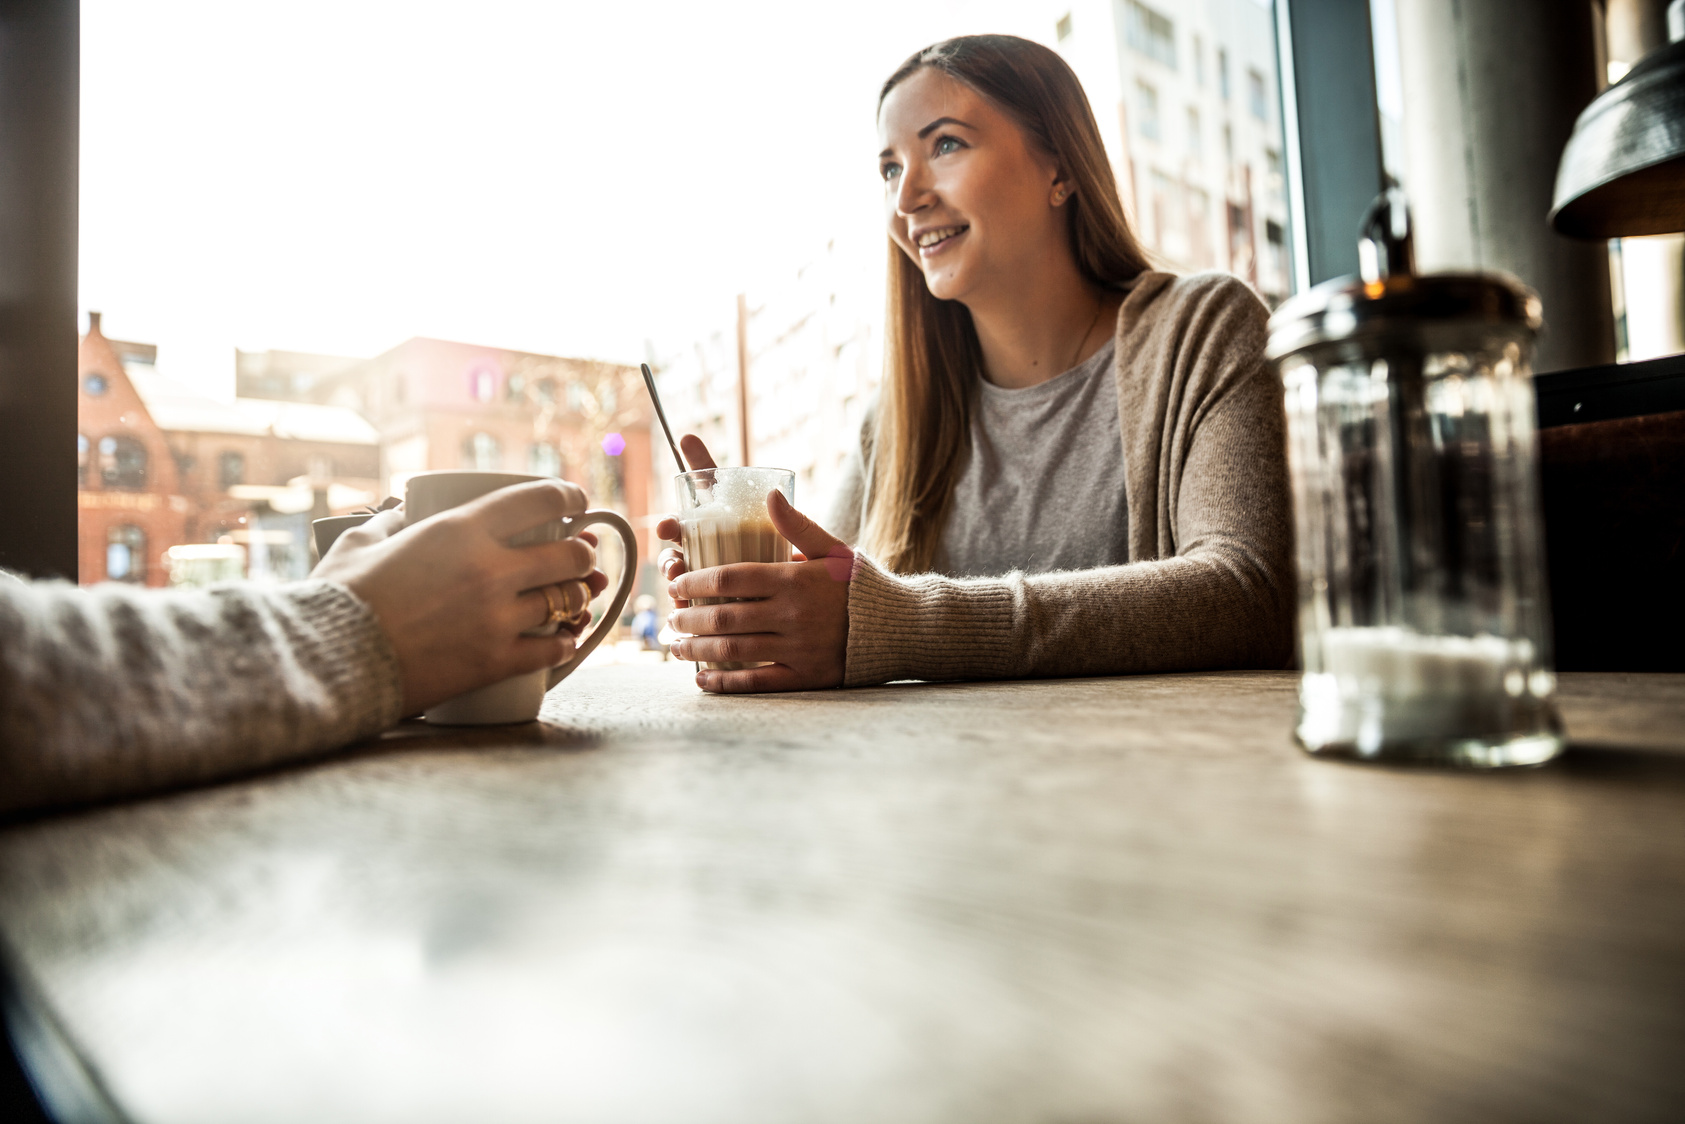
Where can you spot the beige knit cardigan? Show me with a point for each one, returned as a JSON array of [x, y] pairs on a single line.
[[1210, 582]]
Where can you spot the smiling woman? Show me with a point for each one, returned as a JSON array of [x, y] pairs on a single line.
[[1076, 465]]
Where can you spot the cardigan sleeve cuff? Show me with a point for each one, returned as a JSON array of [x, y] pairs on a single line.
[[926, 626], [352, 660]]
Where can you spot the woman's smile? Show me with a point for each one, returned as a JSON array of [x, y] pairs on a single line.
[[936, 240]]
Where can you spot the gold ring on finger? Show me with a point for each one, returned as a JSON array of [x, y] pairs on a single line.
[[574, 592], [558, 613]]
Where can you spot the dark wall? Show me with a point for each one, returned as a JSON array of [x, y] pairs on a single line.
[[39, 74], [1614, 508]]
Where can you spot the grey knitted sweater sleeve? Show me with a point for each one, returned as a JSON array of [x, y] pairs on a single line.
[[110, 691], [1210, 583]]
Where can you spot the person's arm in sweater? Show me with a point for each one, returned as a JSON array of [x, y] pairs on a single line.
[[1220, 597], [108, 691], [111, 690]]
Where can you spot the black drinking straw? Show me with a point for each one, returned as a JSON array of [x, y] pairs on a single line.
[[655, 397]]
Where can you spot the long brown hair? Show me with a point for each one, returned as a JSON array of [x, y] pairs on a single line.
[[932, 357]]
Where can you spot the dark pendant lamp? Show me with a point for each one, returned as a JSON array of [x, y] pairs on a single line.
[[1623, 170]]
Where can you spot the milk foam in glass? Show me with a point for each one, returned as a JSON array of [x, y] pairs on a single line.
[[723, 519]]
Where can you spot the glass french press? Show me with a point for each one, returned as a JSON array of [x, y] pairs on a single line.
[[1423, 624]]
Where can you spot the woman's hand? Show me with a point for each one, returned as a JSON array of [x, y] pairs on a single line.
[[672, 559], [798, 620], [454, 599]]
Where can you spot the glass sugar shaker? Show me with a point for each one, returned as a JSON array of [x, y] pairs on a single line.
[[1424, 627]]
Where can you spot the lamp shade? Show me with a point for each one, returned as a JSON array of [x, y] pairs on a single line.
[[1623, 170]]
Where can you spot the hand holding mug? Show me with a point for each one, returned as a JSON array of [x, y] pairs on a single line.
[[454, 598]]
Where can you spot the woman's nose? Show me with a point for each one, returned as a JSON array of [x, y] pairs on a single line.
[[913, 191]]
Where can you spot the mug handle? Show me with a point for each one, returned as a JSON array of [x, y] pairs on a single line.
[[628, 576]]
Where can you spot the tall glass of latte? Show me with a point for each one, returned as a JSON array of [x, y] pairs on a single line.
[[723, 519]]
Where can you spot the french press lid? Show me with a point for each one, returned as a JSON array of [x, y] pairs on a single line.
[[1389, 303]]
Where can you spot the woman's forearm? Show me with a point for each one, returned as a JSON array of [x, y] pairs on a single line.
[[1212, 608], [109, 691]]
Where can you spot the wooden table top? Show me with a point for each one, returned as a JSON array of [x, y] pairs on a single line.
[[1073, 901]]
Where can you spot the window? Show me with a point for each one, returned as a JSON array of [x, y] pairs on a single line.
[[1199, 253], [1256, 99], [1228, 142], [230, 469], [1150, 33], [1223, 73], [125, 554], [544, 460], [1148, 99], [482, 382], [1199, 60], [1240, 241], [482, 453], [1194, 143], [122, 462], [1273, 274], [83, 451], [95, 385], [1064, 27], [1272, 165]]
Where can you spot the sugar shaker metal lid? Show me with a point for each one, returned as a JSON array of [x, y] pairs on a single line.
[[1390, 299]]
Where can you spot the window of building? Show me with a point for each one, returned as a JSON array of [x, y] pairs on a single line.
[[1150, 33], [1240, 241], [1272, 165], [482, 453], [1199, 60], [1195, 144], [1228, 142], [544, 459], [125, 554], [1064, 27], [545, 391], [1199, 253], [1256, 98], [95, 385], [1223, 73], [230, 469], [482, 382], [83, 455], [1273, 274], [122, 462], [1147, 99]]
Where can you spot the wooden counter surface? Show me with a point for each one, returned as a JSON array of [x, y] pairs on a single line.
[[1075, 901]]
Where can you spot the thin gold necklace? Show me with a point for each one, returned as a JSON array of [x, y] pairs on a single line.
[[1099, 307]]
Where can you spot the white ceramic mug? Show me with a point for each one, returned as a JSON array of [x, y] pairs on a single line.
[[518, 698]]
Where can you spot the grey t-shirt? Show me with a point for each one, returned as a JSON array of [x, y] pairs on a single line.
[[1042, 487]]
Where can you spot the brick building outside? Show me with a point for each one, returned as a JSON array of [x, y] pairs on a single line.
[[163, 467], [444, 405], [130, 506]]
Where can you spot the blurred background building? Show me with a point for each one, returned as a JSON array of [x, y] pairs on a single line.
[[1188, 102], [179, 485]]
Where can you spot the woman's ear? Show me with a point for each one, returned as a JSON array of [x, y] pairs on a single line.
[[1062, 191]]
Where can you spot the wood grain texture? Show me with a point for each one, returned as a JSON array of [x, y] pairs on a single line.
[[1064, 901]]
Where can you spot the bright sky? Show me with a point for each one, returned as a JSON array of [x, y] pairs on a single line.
[[569, 178]]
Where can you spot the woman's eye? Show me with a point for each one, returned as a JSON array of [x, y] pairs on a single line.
[[945, 145], [890, 171]]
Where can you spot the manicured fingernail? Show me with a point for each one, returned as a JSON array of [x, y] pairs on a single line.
[[673, 590]]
